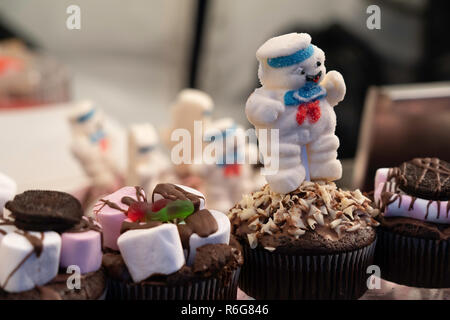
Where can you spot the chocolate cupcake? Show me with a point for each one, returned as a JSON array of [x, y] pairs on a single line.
[[312, 243], [166, 249], [49, 250], [414, 237]]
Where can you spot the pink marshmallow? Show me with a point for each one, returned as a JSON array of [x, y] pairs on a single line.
[[380, 176], [83, 249], [422, 209], [111, 219]]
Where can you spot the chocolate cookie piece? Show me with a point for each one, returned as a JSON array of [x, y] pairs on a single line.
[[427, 178], [39, 210]]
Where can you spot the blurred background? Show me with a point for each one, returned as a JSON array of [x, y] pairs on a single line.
[[132, 58]]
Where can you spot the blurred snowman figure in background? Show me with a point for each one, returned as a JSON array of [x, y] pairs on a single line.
[[191, 107], [91, 146], [146, 163], [227, 175]]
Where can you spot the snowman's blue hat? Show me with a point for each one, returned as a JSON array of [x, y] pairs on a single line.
[[296, 57]]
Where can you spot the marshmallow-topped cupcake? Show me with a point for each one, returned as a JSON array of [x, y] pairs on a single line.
[[171, 247], [49, 250], [414, 236]]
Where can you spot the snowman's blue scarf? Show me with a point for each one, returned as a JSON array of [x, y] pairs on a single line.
[[85, 117], [97, 136], [309, 92]]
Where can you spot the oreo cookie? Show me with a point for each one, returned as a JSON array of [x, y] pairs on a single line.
[[38, 210], [427, 178]]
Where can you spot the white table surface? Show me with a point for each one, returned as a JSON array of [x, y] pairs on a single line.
[[35, 146]]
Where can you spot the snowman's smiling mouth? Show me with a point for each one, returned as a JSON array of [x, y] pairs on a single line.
[[314, 78]]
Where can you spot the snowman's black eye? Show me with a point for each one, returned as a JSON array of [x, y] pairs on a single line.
[[318, 63]]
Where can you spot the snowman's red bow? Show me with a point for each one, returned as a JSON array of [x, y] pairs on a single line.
[[310, 110]]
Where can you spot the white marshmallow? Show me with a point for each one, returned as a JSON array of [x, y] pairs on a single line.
[[222, 235], [157, 196], [8, 189], [151, 251], [35, 271], [6, 228]]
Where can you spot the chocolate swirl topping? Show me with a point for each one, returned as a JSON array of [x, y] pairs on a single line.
[[317, 208]]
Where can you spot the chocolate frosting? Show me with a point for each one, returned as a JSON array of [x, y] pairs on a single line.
[[128, 201], [110, 204], [48, 293], [416, 228], [140, 196], [185, 233], [93, 285], [86, 224], [173, 192], [202, 223], [126, 225], [211, 260]]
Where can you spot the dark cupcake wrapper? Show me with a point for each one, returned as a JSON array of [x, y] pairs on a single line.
[[276, 276], [205, 289], [414, 262], [103, 295]]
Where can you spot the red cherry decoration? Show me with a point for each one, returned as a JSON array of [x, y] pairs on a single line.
[[137, 211], [159, 204]]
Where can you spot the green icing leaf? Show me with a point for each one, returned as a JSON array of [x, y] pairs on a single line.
[[178, 209]]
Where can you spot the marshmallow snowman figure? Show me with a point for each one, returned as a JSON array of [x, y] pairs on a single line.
[[229, 176], [146, 163], [297, 98], [91, 145]]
